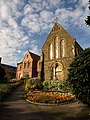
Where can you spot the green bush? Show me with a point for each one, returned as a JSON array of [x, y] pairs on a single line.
[[55, 85], [79, 76], [33, 84]]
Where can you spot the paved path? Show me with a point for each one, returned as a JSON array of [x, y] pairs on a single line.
[[16, 108]]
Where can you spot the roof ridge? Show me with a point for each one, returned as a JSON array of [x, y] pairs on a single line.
[[33, 53]]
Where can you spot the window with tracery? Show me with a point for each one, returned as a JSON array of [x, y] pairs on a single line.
[[24, 64], [28, 64], [27, 56], [62, 48], [73, 50], [50, 51], [20, 67], [56, 46]]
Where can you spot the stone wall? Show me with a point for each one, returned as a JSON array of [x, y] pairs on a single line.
[[57, 68]]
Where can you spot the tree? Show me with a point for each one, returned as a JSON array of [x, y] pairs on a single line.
[[79, 76], [2, 74], [88, 17]]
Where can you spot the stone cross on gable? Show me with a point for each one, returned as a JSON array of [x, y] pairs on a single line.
[[56, 19]]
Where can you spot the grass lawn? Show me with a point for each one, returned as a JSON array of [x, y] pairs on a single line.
[[7, 88]]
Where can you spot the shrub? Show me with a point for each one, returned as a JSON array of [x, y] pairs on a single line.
[[79, 76], [32, 84], [55, 85]]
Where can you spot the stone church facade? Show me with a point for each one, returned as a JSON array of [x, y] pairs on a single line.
[[58, 51]]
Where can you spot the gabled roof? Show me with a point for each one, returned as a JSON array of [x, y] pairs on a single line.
[[34, 56], [78, 45], [5, 65], [57, 27], [19, 63]]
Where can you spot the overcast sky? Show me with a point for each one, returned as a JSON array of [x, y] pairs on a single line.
[[25, 24]]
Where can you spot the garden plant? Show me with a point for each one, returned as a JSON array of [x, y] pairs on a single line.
[[79, 76], [49, 91]]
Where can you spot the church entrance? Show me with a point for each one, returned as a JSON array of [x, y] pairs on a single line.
[[20, 75], [57, 71], [26, 74]]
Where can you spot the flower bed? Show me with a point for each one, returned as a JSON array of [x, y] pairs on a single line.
[[50, 97]]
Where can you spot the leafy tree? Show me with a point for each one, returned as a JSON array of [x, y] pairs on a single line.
[[2, 74], [88, 17], [79, 76]]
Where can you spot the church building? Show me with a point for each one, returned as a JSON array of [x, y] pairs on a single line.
[[58, 52]]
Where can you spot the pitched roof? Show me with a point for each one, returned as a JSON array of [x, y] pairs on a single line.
[[34, 56], [19, 63], [56, 27], [5, 65]]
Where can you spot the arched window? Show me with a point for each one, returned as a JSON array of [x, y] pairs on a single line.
[[20, 67], [28, 64], [27, 56], [50, 51], [73, 50], [24, 64], [62, 48], [56, 47]]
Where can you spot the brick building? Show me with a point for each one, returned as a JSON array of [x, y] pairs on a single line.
[[9, 70], [58, 51], [28, 67]]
